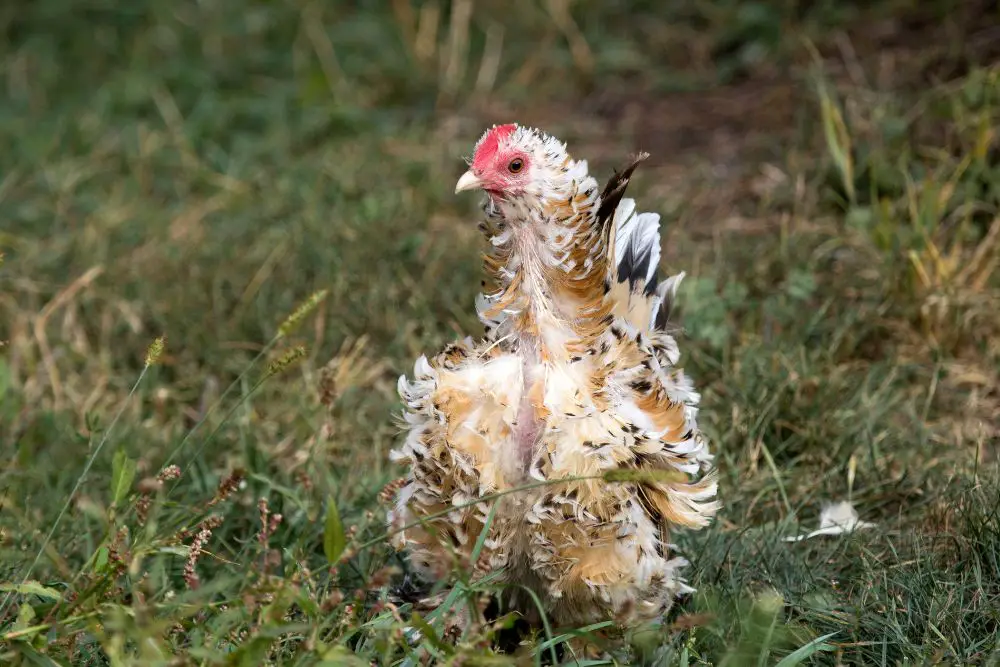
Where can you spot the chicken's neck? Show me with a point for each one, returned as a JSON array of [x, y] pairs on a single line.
[[548, 272]]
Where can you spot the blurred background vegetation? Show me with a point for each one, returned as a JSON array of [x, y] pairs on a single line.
[[828, 175]]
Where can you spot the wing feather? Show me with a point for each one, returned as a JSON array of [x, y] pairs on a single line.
[[633, 242]]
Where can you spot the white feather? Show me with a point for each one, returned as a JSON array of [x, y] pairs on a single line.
[[666, 291], [645, 238], [620, 220], [638, 233]]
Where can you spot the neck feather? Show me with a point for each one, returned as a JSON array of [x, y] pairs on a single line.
[[547, 268]]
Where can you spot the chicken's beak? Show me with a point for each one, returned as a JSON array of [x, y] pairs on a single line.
[[469, 181]]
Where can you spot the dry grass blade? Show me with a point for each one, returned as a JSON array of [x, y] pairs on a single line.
[[425, 44], [978, 270], [40, 322], [838, 140], [489, 66], [561, 15], [312, 23], [456, 57], [351, 367]]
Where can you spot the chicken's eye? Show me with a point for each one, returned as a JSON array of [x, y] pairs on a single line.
[[516, 165]]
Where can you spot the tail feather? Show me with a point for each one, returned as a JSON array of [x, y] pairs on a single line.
[[634, 257], [663, 303], [637, 247]]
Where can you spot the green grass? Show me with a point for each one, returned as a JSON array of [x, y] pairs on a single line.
[[828, 176]]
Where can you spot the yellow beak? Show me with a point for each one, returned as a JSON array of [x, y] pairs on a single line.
[[469, 181]]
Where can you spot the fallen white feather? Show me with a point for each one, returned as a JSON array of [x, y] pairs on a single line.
[[836, 519]]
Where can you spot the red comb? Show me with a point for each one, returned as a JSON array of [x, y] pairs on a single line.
[[489, 144]]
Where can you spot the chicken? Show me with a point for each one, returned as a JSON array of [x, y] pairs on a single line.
[[575, 376]]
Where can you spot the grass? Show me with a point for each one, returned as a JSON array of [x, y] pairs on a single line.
[[268, 185]]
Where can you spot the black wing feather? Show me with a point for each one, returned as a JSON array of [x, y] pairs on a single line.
[[665, 314], [664, 318], [613, 193], [630, 268], [633, 269]]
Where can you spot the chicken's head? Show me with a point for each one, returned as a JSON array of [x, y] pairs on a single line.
[[511, 161]]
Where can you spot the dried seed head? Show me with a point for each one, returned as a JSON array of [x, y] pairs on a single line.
[[155, 351], [333, 600], [169, 473], [142, 508], [382, 577], [197, 546], [302, 477], [295, 319], [285, 361], [228, 486], [388, 491], [264, 511], [118, 552], [268, 522]]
